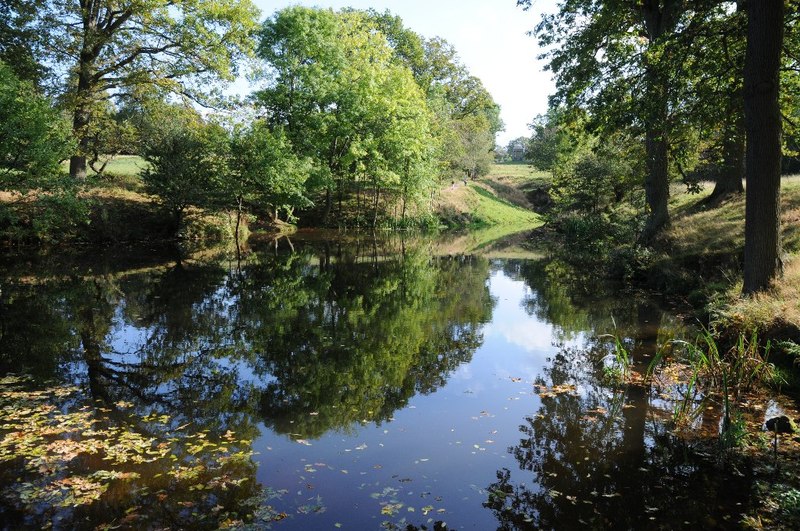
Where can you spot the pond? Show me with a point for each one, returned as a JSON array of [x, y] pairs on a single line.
[[325, 384]]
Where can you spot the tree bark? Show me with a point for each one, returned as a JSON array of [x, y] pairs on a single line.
[[656, 182], [328, 206], [729, 181], [658, 18], [762, 245], [81, 118]]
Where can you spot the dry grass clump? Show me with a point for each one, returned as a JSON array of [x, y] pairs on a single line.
[[776, 309]]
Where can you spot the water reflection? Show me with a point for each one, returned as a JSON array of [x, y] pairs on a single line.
[[350, 340], [371, 375], [601, 456]]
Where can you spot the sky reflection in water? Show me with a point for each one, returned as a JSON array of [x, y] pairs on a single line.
[[385, 390]]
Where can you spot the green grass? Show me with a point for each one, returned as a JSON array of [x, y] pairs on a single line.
[[519, 175], [707, 246], [126, 166], [487, 208]]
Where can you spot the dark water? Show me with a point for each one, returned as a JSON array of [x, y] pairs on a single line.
[[378, 385]]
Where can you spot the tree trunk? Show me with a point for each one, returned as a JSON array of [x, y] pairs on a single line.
[[656, 183], [84, 91], [80, 122], [375, 210], [328, 205], [729, 182], [658, 18], [762, 244], [238, 222]]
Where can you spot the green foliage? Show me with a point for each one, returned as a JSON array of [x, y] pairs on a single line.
[[592, 197], [185, 167], [264, 172], [19, 38], [550, 141], [375, 107], [34, 139], [109, 50]]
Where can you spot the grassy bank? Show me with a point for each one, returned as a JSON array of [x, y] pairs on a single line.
[[497, 199], [701, 256], [119, 210]]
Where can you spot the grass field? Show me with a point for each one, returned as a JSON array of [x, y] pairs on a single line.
[[126, 165], [518, 175]]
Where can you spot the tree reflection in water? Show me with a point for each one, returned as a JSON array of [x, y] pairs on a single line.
[[303, 341], [603, 456], [353, 339]]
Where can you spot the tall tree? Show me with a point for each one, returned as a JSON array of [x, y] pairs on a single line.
[[337, 89], [187, 159], [762, 247], [606, 58], [107, 48], [263, 172]]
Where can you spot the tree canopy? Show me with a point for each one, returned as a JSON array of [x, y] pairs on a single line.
[[109, 49]]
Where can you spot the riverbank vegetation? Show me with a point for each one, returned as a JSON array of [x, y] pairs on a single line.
[[647, 143], [115, 127], [354, 120]]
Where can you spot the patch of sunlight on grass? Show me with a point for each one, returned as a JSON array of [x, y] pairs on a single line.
[[709, 231], [486, 208], [778, 307], [126, 165]]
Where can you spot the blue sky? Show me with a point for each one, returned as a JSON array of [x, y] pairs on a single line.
[[490, 38]]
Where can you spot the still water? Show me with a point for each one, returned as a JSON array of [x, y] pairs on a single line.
[[336, 385]]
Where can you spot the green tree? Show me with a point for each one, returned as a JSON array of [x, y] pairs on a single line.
[[708, 58], [263, 172], [338, 91], [110, 48], [553, 139], [34, 140], [466, 116], [187, 163], [19, 38], [607, 57]]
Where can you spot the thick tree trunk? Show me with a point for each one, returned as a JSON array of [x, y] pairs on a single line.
[[80, 122], [84, 90], [762, 244]]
